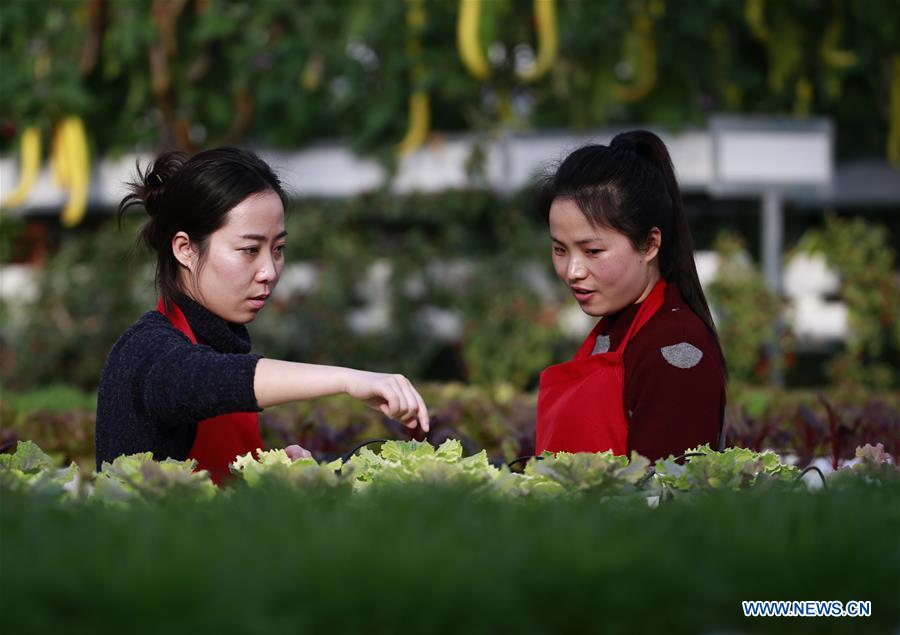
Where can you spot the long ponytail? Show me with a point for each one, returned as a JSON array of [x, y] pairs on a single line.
[[676, 259]]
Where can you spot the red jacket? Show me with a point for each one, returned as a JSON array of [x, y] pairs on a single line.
[[674, 394]]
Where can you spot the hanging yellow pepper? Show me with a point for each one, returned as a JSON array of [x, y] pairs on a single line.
[[30, 163], [643, 41], [754, 13], [419, 106], [831, 54], [467, 40], [467, 24], [547, 40], [71, 167], [803, 97], [893, 140]]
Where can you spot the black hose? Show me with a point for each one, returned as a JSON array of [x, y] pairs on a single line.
[[812, 468], [688, 455], [346, 457], [521, 459], [646, 479]]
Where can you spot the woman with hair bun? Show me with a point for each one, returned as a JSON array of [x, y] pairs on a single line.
[[650, 377], [181, 382]]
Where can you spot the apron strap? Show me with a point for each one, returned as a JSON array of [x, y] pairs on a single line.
[[176, 317], [648, 309]]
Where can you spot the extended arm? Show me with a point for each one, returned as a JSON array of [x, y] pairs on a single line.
[[277, 382], [185, 382]]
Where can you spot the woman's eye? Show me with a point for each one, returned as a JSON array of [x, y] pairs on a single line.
[[251, 250], [280, 249], [592, 252], [559, 251]]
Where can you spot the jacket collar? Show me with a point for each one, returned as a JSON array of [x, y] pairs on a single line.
[[212, 330], [617, 323]]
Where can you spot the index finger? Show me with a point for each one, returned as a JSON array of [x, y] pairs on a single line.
[[424, 419]]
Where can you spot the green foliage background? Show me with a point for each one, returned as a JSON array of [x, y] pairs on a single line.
[[153, 73], [509, 324], [871, 290], [279, 73]]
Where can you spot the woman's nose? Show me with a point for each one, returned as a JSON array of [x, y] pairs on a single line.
[[576, 269], [267, 271]]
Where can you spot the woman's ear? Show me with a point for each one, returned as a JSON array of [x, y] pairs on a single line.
[[184, 251], [652, 244]]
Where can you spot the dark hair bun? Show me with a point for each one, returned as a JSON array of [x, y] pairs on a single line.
[[153, 182], [149, 186], [624, 142]]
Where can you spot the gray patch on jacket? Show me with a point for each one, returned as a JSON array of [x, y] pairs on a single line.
[[601, 345], [682, 355]]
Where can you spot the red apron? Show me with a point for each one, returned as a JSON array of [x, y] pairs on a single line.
[[580, 402], [219, 439]]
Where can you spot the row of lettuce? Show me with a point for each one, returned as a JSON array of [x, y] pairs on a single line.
[[801, 426], [138, 478]]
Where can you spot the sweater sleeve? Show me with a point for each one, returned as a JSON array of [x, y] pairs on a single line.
[[674, 393], [185, 383]]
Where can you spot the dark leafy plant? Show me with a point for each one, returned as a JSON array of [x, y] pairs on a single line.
[[860, 252], [819, 427], [745, 310]]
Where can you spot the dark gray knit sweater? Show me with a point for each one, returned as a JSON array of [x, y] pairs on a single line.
[[156, 385]]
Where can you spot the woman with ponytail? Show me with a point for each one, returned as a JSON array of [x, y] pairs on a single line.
[[181, 382], [650, 377]]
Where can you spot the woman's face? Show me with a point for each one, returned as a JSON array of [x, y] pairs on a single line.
[[243, 261], [600, 265]]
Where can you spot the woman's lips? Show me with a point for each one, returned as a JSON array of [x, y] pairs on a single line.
[[257, 303], [582, 295]]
